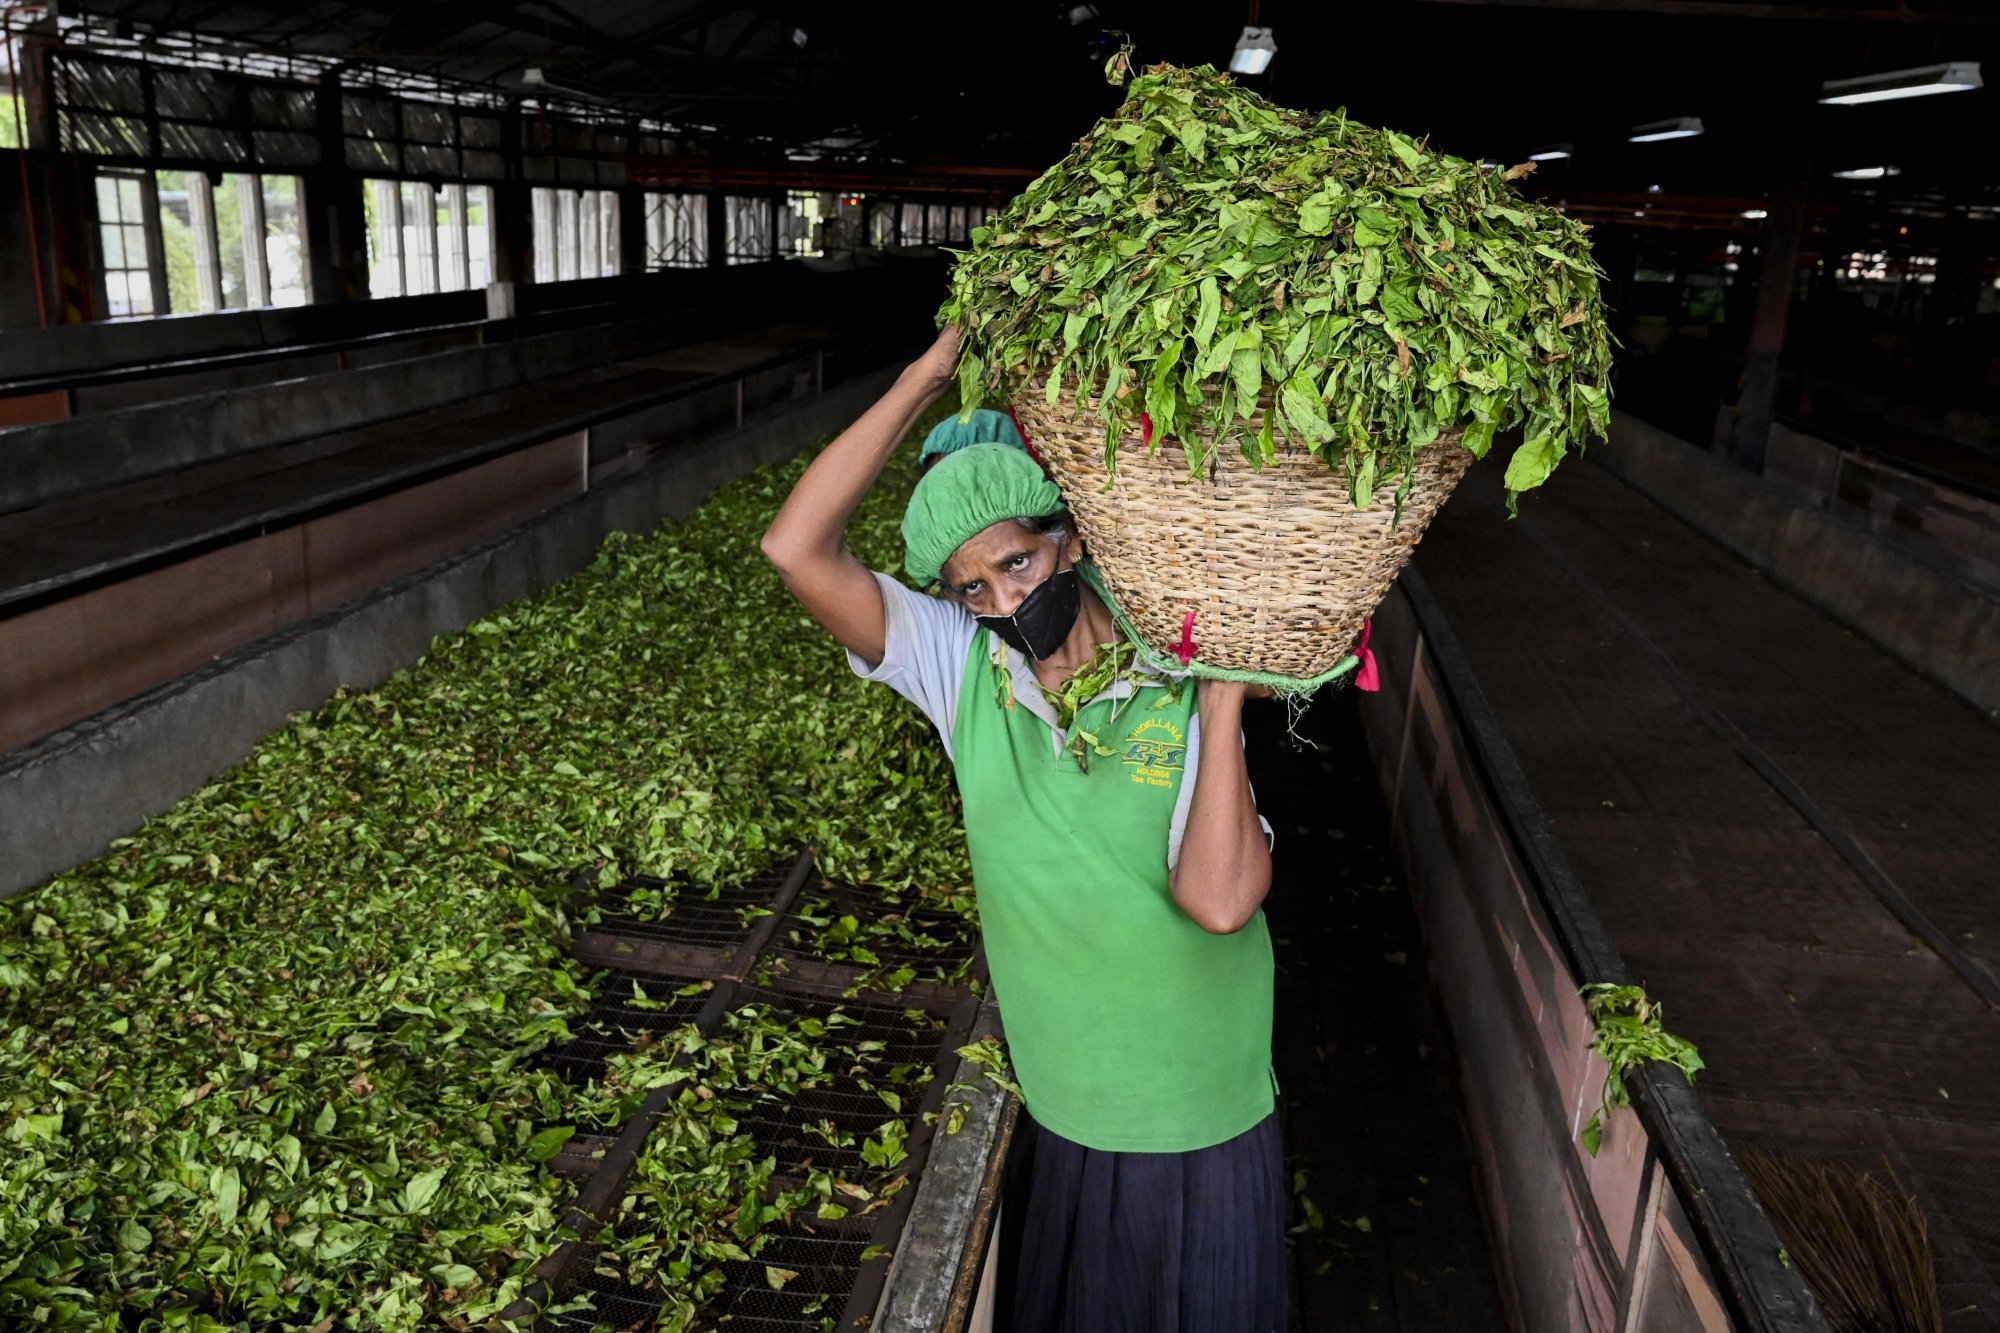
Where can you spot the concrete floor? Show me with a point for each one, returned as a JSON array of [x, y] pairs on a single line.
[[1788, 834]]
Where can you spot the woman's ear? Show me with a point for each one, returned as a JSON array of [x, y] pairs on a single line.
[[1073, 548]]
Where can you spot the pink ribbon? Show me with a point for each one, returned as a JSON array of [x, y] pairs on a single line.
[[1032, 453], [1187, 648], [1367, 678]]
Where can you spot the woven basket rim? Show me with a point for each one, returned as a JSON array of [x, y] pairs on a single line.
[[1029, 392], [1274, 559]]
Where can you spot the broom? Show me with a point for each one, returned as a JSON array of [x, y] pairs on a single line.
[[1861, 1246]]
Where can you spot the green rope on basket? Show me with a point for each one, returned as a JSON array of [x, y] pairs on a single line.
[[1288, 687]]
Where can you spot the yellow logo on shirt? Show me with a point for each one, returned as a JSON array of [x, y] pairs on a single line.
[[1155, 751]]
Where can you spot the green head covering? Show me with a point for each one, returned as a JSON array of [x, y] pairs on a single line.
[[985, 426], [966, 493]]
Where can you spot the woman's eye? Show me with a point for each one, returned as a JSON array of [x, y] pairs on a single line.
[[1017, 563]]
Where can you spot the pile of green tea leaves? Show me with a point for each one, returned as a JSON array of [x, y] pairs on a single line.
[[269, 1063], [1231, 267]]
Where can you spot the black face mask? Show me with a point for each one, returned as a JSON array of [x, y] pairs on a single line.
[[1044, 618]]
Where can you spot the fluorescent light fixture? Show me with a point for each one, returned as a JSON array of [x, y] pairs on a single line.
[[1867, 173], [1253, 53], [800, 38], [1756, 214], [1652, 189], [1081, 14], [1555, 152], [1924, 81], [1681, 127], [535, 79]]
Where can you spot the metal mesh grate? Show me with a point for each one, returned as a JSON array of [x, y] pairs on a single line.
[[796, 1130], [826, 1269], [618, 1021], [825, 1256], [654, 909], [897, 929]]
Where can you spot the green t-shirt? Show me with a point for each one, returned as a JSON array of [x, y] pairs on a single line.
[[1131, 1028]]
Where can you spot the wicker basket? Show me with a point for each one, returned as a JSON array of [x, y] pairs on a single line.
[[1279, 566]]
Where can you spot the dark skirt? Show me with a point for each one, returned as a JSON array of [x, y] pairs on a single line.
[[1139, 1242]]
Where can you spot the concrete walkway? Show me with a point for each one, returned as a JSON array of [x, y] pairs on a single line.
[[1790, 835]]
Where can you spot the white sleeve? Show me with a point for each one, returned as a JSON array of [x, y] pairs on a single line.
[[924, 644], [1177, 830]]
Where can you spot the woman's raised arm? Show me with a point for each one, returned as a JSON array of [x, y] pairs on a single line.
[[807, 541]]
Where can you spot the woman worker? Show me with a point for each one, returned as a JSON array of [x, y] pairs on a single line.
[[1119, 884], [984, 426]]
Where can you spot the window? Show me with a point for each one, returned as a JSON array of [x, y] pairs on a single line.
[[231, 242], [129, 266], [285, 267], [12, 118], [910, 224], [752, 235], [431, 139], [881, 224], [576, 234], [846, 223], [676, 231], [465, 254], [800, 224], [419, 221], [424, 238]]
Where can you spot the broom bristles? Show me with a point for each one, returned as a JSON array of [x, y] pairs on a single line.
[[1861, 1246]]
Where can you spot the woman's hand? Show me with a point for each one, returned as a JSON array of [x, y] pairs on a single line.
[[1227, 693], [934, 371]]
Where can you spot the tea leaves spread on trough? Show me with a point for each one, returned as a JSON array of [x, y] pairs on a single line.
[[269, 1063], [1240, 271]]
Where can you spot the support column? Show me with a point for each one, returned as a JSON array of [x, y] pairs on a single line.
[[1784, 229], [631, 229], [718, 227], [331, 214], [513, 220], [60, 215]]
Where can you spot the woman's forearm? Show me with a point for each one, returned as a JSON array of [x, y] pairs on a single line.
[[807, 541], [1224, 869]]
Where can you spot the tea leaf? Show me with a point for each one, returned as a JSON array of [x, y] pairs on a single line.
[[1197, 196]]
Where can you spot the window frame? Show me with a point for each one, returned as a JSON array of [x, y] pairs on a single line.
[[146, 225]]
